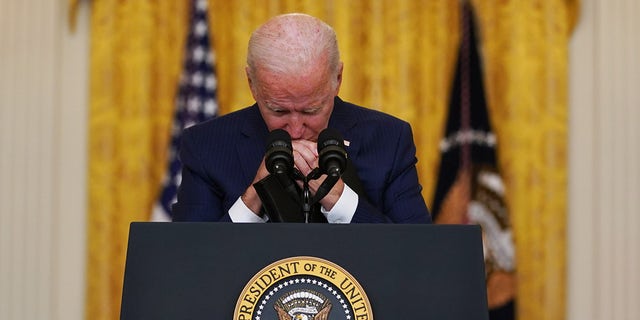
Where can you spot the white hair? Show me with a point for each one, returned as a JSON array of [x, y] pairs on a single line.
[[288, 44]]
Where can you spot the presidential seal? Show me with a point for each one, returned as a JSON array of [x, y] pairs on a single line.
[[303, 288]]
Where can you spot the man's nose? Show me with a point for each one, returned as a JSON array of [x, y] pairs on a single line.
[[296, 127]]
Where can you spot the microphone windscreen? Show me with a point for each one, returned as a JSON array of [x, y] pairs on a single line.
[[280, 136], [331, 153], [279, 155], [330, 137]]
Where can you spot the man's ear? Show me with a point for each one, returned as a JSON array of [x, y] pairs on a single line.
[[247, 71], [339, 77]]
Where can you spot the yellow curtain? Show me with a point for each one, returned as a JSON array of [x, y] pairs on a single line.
[[398, 56], [136, 51], [525, 47]]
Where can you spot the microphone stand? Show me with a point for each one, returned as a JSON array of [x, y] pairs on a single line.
[[306, 193], [322, 191]]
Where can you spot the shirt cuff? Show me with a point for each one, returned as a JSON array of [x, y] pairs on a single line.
[[344, 209], [240, 213]]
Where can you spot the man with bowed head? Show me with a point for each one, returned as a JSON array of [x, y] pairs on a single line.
[[294, 73]]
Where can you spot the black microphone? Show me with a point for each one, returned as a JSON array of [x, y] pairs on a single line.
[[279, 155], [332, 157], [278, 191]]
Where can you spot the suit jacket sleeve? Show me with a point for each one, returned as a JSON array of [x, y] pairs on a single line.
[[199, 197], [400, 199]]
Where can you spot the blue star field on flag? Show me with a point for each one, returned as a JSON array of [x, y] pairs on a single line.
[[195, 101]]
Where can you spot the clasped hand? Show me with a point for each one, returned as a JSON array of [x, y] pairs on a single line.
[[305, 158]]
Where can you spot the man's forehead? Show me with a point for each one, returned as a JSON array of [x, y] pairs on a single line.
[[287, 94]]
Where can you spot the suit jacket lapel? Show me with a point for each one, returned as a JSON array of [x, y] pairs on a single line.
[[344, 120]]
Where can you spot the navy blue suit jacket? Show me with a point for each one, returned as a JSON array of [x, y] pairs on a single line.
[[221, 156]]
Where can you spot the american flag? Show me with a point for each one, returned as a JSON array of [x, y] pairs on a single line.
[[195, 101]]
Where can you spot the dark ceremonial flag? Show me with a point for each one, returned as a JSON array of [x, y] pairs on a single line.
[[470, 189]]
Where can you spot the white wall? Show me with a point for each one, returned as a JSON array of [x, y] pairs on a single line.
[[604, 171], [43, 112], [43, 136]]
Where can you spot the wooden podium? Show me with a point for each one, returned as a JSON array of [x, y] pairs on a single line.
[[203, 270]]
